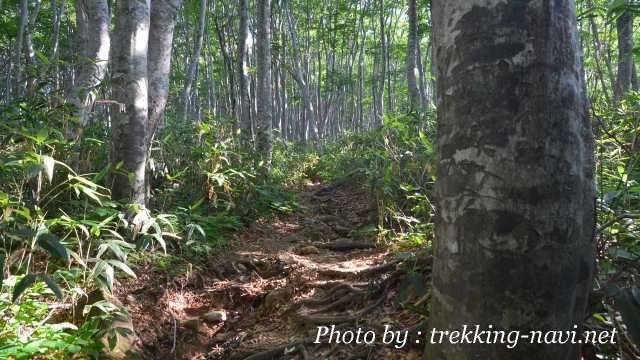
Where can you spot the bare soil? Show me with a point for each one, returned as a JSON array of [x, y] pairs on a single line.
[[264, 296]]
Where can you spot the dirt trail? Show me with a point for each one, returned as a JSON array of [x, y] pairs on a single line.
[[266, 295]]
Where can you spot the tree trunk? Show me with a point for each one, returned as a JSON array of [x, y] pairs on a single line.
[[383, 67], [412, 45], [92, 26], [193, 66], [162, 25], [423, 87], [300, 76], [130, 90], [243, 74], [263, 82], [22, 26], [514, 239], [625, 55]]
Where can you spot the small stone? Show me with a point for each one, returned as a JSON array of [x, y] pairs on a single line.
[[216, 316], [308, 250], [242, 268], [342, 230], [222, 337], [191, 324], [293, 238]]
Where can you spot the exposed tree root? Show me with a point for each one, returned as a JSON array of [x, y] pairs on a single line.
[[370, 271], [341, 301], [337, 319], [283, 350], [345, 245]]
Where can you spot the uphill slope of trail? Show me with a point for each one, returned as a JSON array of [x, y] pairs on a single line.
[[267, 294]]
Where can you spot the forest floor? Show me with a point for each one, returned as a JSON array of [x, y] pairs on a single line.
[[266, 293]]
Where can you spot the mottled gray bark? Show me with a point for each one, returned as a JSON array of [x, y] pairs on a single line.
[[625, 54], [423, 84], [23, 20], [300, 78], [58, 10], [130, 90], [243, 73], [162, 25], [193, 66], [92, 27], [383, 67], [514, 237], [30, 50], [412, 45], [263, 81]]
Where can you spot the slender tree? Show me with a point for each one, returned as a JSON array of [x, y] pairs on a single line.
[[514, 240], [243, 74], [300, 78], [195, 59], [626, 65], [130, 90], [412, 48], [263, 74], [162, 25], [23, 20], [92, 33]]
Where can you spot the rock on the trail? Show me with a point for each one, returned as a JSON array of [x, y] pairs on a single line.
[[329, 218], [341, 230], [222, 337], [316, 230], [293, 238], [191, 323], [277, 297], [308, 250], [216, 316]]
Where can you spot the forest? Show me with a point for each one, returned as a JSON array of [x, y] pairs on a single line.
[[306, 179]]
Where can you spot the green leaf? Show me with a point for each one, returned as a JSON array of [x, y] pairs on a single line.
[[23, 285], [122, 266], [50, 243], [113, 341], [53, 286], [109, 276]]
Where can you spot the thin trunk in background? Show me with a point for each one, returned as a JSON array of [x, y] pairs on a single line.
[[243, 74], [22, 26], [300, 77], [263, 81], [412, 48], [626, 63], [193, 65]]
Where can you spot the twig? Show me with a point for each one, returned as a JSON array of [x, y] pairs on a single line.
[[175, 331]]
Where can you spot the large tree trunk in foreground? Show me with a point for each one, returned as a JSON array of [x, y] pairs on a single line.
[[514, 240], [162, 24], [263, 75], [92, 26], [130, 90]]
